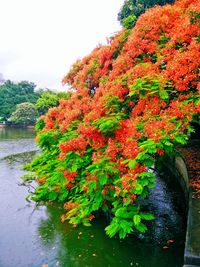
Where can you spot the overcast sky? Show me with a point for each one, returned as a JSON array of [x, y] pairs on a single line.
[[40, 39]]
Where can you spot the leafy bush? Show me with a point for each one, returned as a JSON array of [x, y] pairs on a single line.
[[26, 113]]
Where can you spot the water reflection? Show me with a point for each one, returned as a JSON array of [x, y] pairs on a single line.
[[14, 141], [82, 246], [16, 133]]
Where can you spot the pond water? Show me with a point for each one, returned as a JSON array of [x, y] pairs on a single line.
[[32, 235]]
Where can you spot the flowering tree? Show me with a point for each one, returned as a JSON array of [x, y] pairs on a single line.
[[133, 101], [25, 113]]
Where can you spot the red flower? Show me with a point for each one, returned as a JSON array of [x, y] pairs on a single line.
[[70, 176], [69, 186], [160, 152]]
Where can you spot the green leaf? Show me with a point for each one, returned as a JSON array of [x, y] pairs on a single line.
[[141, 227], [144, 182], [122, 233], [163, 94], [151, 185], [136, 219], [149, 162], [63, 196], [180, 139], [74, 168], [147, 175], [147, 216], [103, 179], [85, 222], [52, 195], [97, 202], [112, 229], [132, 164], [138, 189], [125, 228], [120, 211]]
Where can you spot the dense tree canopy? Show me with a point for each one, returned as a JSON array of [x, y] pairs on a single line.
[[133, 101], [46, 101], [12, 94], [49, 99], [132, 9]]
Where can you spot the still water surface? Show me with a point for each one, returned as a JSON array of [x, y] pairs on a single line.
[[34, 236]]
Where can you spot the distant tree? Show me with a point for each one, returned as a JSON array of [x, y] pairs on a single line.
[[48, 100], [132, 9], [63, 95], [26, 113], [12, 94]]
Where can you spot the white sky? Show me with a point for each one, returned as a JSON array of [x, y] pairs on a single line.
[[41, 39]]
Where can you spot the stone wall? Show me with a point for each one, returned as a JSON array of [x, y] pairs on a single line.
[[178, 167]]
